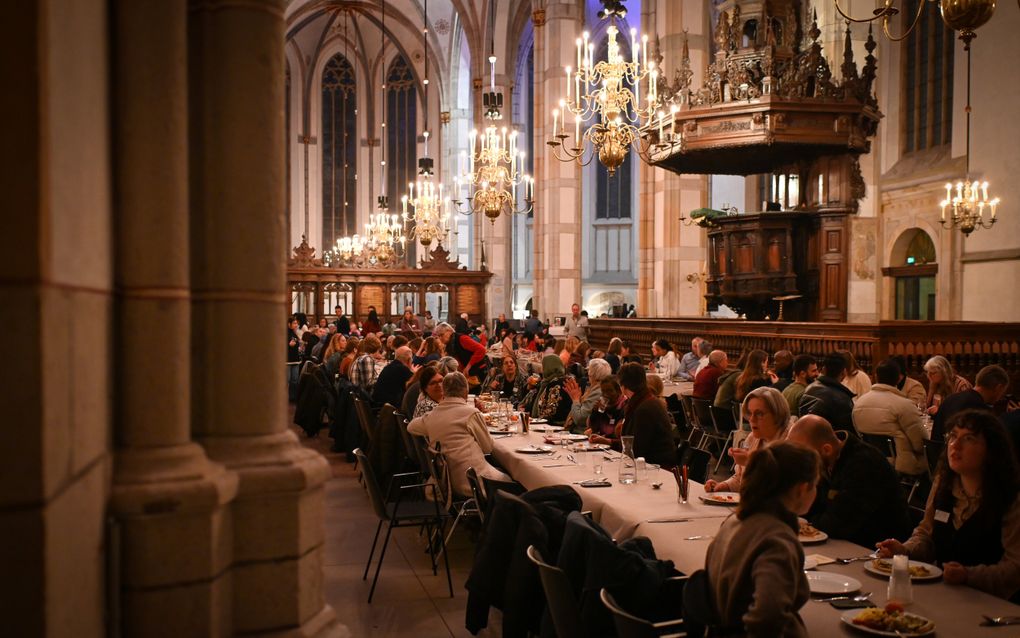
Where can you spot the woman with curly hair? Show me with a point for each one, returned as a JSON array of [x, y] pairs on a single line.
[[971, 525]]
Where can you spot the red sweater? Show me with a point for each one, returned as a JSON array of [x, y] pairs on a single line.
[[707, 383], [469, 346]]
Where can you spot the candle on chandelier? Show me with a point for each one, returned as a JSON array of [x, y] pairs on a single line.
[[567, 69], [672, 126], [644, 51], [556, 117], [584, 51], [984, 189], [634, 45], [577, 130]]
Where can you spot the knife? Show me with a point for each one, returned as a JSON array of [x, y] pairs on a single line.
[[668, 520]]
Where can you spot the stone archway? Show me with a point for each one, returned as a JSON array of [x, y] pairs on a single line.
[[911, 274]]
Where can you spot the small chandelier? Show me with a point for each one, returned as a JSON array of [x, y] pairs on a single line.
[[425, 208], [601, 93], [495, 176], [960, 15], [967, 206], [382, 245]]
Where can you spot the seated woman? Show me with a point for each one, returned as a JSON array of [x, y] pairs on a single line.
[[350, 353], [606, 420], [856, 379], [664, 361], [427, 351], [754, 375], [769, 415], [584, 403], [549, 400], [508, 380], [431, 384], [971, 525], [942, 382], [569, 346], [755, 564], [645, 418]]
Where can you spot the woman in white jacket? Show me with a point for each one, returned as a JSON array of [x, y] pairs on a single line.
[[664, 360]]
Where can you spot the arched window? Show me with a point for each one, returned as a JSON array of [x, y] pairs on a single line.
[[402, 133], [339, 150], [912, 265], [927, 81]]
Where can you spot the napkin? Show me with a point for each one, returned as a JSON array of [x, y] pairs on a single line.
[[820, 559]]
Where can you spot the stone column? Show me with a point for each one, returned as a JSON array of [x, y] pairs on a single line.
[[557, 184], [168, 499], [236, 56], [669, 251]]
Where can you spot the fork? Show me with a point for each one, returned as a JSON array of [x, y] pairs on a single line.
[[861, 597], [1001, 621], [847, 561]]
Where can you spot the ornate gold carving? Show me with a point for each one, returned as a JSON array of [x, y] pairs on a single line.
[[304, 256]]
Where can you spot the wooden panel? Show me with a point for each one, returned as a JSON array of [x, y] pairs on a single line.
[[774, 255], [372, 295], [468, 299], [833, 241]]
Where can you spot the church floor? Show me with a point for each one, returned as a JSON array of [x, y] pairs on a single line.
[[409, 600]]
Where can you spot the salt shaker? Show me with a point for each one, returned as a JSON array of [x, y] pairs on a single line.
[[900, 589]]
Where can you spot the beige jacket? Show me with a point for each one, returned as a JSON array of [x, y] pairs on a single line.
[[886, 411], [914, 390], [460, 430], [756, 576]]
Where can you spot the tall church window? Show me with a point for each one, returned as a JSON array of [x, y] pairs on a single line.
[[402, 130], [927, 81], [339, 150]]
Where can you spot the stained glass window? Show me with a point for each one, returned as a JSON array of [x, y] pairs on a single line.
[[339, 150]]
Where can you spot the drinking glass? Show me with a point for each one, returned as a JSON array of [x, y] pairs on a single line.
[[596, 463]]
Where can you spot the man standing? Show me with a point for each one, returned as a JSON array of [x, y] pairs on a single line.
[[501, 324], [342, 323], [805, 371], [460, 430], [577, 325], [859, 497], [389, 387], [829, 398], [990, 387], [533, 324], [707, 382], [689, 362]]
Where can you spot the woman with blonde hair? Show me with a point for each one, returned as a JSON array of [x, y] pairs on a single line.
[[942, 382], [334, 354], [569, 346], [856, 380], [769, 415], [350, 353]]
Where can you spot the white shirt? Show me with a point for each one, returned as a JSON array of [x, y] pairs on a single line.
[[577, 327]]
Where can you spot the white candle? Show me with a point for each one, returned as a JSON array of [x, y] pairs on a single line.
[[568, 82], [556, 117], [644, 51], [579, 55], [577, 130]]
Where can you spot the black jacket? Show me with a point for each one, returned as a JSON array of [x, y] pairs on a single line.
[[861, 500], [389, 385], [830, 400], [591, 560], [967, 400], [316, 397], [653, 437], [343, 325], [502, 576]]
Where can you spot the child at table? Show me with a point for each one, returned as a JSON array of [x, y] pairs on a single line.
[[755, 565]]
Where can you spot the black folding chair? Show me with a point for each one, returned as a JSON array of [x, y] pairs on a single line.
[[630, 626], [478, 493], [559, 597], [397, 508], [884, 444], [696, 460], [725, 426], [933, 451]]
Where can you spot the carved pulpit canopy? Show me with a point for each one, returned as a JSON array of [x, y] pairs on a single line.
[[767, 102]]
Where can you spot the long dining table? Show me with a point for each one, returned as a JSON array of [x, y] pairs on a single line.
[[640, 509]]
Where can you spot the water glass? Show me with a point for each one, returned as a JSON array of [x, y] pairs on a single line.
[[596, 463]]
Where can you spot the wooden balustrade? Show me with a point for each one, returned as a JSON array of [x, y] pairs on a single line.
[[968, 345]]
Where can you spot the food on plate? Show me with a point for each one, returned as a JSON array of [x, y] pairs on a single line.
[[807, 530], [893, 619], [725, 498], [885, 566]]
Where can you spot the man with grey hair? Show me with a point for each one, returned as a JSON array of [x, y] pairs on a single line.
[[389, 386], [704, 349], [690, 361], [460, 430], [706, 384]]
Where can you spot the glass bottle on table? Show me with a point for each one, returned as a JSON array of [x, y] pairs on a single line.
[[628, 464]]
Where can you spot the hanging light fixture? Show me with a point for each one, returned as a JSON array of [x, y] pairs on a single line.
[[495, 181], [966, 207], [425, 210], [964, 16], [608, 93], [383, 202]]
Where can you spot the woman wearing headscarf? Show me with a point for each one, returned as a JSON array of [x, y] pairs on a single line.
[[549, 400]]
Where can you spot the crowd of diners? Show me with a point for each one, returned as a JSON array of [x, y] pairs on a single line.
[[804, 454]]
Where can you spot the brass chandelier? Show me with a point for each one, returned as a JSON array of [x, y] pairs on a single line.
[[383, 244], [960, 15], [608, 93]]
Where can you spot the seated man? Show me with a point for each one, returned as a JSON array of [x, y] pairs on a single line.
[[805, 371], [990, 387], [859, 497], [689, 362], [460, 430], [885, 411], [783, 362], [389, 386], [707, 382], [828, 397]]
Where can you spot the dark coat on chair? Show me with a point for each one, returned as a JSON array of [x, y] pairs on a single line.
[[316, 397], [502, 576]]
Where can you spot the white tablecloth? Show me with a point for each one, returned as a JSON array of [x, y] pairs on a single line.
[[624, 511]]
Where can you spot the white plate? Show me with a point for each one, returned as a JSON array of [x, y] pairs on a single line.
[[809, 563], [830, 584], [721, 498], [547, 428], [818, 537], [538, 421], [533, 449], [572, 437], [934, 572], [848, 618]]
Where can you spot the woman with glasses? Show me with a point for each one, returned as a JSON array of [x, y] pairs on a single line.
[[769, 415], [971, 525], [431, 391]]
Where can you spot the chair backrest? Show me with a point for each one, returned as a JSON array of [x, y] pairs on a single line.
[[933, 451], [421, 445], [559, 596], [630, 626], [737, 416], [688, 408], [723, 419], [884, 444], [375, 493], [696, 460], [703, 414], [408, 440], [440, 471], [365, 419], [478, 492]]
